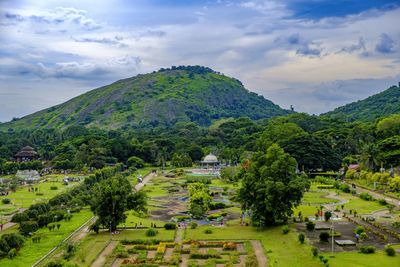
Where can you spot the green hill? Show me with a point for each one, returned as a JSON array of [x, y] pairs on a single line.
[[380, 105], [192, 93]]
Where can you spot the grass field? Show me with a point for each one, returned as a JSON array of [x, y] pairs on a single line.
[[360, 205], [317, 198], [355, 259], [22, 198], [32, 252]]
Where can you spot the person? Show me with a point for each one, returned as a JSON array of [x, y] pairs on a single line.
[[1, 227], [357, 237], [123, 226]]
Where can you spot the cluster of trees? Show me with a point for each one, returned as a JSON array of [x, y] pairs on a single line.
[[315, 142]]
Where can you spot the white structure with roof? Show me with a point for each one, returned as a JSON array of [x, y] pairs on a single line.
[[210, 162]]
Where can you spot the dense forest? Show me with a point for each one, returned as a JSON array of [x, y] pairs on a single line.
[[317, 143]]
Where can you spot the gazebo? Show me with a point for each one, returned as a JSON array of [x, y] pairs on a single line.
[[210, 162], [27, 153]]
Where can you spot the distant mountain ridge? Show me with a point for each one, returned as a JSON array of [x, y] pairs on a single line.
[[184, 93], [379, 105]]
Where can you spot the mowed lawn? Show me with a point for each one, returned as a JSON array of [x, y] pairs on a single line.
[[314, 197], [355, 259], [32, 252], [22, 198]]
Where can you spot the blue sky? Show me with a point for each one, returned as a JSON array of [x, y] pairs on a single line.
[[312, 54]]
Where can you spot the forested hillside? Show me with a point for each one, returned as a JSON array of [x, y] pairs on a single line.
[[180, 94], [380, 105]]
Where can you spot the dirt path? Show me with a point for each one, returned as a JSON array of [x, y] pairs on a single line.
[[260, 253], [179, 234], [101, 259], [145, 181]]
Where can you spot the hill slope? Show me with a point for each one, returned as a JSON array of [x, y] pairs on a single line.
[[380, 105], [165, 97]]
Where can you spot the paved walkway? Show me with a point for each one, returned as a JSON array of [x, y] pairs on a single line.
[[260, 253], [179, 234], [101, 259], [145, 181]]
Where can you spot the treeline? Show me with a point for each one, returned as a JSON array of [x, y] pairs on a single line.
[[317, 143]]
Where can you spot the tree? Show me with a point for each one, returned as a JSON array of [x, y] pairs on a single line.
[[270, 187], [112, 197], [199, 199], [135, 162]]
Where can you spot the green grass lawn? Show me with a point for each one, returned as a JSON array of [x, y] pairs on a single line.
[[22, 198], [133, 218], [355, 259], [32, 252], [306, 210], [317, 198], [360, 205]]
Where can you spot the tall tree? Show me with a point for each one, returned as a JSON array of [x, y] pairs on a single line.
[[270, 186], [112, 198]]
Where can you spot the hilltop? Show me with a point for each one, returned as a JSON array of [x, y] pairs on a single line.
[[376, 106], [184, 93]]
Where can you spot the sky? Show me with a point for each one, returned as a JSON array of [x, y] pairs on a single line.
[[313, 54]]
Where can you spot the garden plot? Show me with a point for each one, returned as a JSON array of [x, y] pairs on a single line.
[[187, 253]]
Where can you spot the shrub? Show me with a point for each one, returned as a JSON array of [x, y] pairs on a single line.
[[285, 229], [345, 188], [28, 227], [193, 225], [251, 260], [301, 237], [390, 251], [327, 215], [324, 237], [170, 226], [363, 236], [314, 251], [310, 226], [382, 202], [151, 232], [208, 231], [367, 249], [217, 205], [20, 217], [6, 201], [366, 196], [359, 229], [53, 187], [12, 253], [54, 264]]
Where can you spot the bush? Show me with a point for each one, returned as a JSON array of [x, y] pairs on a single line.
[[217, 205], [53, 187], [151, 232], [285, 229], [390, 251], [193, 225], [6, 201], [170, 226], [11, 241], [366, 196], [367, 249], [54, 264], [20, 217], [251, 260], [382, 202], [324, 237], [345, 188], [301, 237], [363, 236], [28, 227], [314, 251], [327, 215], [310, 226], [359, 229], [12, 253], [208, 231]]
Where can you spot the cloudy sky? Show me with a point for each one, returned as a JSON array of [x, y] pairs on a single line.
[[312, 54]]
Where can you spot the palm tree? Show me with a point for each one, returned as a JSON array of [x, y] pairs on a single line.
[[369, 156]]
